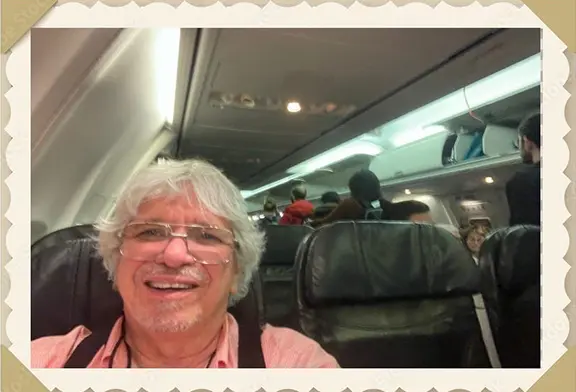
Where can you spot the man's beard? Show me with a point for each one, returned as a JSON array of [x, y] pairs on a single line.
[[161, 318], [525, 155]]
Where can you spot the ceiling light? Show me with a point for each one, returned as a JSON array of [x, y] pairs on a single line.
[[328, 158], [293, 107], [489, 180], [407, 191], [247, 194], [471, 203], [247, 101], [416, 134], [330, 107], [336, 155], [166, 54], [510, 81]]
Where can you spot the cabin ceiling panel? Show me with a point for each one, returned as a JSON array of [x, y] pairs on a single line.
[[350, 68]]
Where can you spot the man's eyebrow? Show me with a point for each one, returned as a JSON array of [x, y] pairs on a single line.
[[202, 223], [195, 221]]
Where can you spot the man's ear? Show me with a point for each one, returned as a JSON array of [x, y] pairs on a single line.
[[528, 144], [234, 286]]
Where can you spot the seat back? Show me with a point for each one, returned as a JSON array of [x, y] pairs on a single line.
[[277, 271], [390, 295], [373, 214], [57, 238], [70, 287], [510, 264]]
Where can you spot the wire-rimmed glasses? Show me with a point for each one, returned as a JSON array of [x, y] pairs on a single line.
[[147, 241]]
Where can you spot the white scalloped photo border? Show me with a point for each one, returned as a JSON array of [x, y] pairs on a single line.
[[555, 237]]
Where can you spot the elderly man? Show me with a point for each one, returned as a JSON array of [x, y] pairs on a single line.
[[180, 248]]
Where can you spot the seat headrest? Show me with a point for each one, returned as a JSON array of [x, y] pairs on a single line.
[[59, 237], [282, 242], [362, 262], [512, 255], [70, 287]]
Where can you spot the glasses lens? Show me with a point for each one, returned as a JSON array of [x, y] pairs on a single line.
[[148, 242], [207, 236], [147, 232]]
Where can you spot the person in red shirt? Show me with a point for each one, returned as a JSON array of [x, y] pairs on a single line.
[[300, 209]]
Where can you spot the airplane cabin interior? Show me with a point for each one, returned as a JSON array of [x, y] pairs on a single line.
[[433, 113]]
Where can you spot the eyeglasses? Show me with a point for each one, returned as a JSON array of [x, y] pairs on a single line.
[[145, 241]]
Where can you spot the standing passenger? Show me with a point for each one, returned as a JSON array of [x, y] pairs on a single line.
[[411, 210], [270, 212], [330, 201], [300, 209], [523, 190], [364, 189], [473, 238]]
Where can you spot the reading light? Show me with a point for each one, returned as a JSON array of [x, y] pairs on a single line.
[[293, 107], [489, 180], [166, 53], [407, 191]]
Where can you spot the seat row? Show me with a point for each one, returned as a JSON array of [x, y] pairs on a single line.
[[374, 294]]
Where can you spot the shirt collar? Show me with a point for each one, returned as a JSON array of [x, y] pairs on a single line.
[[226, 355]]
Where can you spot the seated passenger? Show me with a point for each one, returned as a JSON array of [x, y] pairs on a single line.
[[300, 210], [330, 201], [180, 247], [450, 228], [473, 238], [364, 189], [270, 212], [411, 210]]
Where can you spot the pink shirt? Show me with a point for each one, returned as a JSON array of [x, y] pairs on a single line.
[[282, 348]]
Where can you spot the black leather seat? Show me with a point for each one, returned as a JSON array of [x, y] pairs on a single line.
[[59, 237], [373, 214], [510, 263], [392, 295], [70, 287], [277, 271]]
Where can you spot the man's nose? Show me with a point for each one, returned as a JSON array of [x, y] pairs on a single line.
[[176, 253]]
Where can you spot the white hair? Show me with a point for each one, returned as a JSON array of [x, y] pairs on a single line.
[[213, 190]]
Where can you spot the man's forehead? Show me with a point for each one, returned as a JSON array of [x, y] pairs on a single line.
[[178, 208]]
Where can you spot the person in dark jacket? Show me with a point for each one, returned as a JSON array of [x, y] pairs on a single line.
[[411, 210], [300, 210], [270, 211], [523, 189], [364, 189], [330, 201]]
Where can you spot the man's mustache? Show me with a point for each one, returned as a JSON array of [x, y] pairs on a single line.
[[187, 271]]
